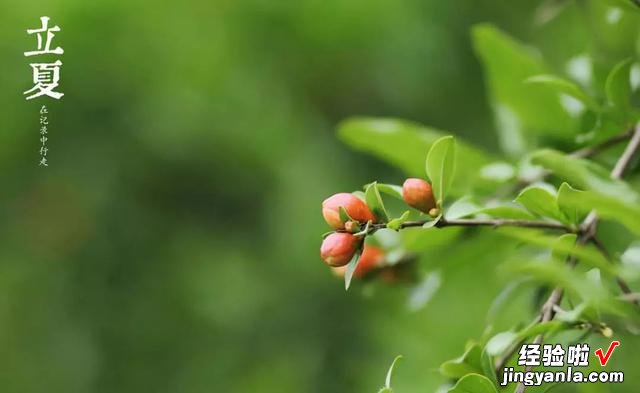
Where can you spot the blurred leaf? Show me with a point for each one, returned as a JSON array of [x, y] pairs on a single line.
[[582, 173], [564, 86], [618, 86], [488, 367], [462, 207], [540, 202], [469, 362], [440, 167], [563, 247], [518, 106], [474, 383], [507, 212], [628, 214], [587, 255], [500, 342], [374, 201], [424, 291], [403, 144], [571, 212], [351, 267]]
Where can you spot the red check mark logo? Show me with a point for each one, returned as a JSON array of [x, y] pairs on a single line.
[[605, 358]]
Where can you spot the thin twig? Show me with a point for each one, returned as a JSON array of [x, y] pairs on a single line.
[[472, 222]]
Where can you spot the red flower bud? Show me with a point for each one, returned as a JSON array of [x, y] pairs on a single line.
[[417, 193], [354, 206], [371, 258], [338, 248]]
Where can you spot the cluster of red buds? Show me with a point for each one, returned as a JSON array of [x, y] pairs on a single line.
[[346, 213]]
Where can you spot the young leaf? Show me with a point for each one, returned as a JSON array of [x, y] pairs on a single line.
[[488, 367], [571, 212], [391, 190], [474, 383], [500, 342], [374, 201], [440, 166], [351, 268], [469, 362], [387, 381], [618, 85], [540, 202], [563, 247], [397, 222], [566, 87]]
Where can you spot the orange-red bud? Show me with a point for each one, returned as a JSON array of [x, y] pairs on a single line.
[[417, 193], [371, 258], [338, 248], [354, 206]]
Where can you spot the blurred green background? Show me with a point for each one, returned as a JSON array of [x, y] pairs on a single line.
[[172, 244]]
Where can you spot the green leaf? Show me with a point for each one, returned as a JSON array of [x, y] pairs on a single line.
[[474, 383], [587, 255], [572, 214], [523, 111], [511, 212], [440, 166], [488, 367], [627, 214], [540, 202], [351, 267], [564, 86], [469, 362], [583, 174], [500, 342], [563, 247], [391, 190], [403, 144], [462, 207], [618, 86], [374, 201], [397, 222], [387, 381]]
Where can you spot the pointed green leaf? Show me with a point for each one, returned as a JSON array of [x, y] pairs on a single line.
[[563, 247], [387, 381], [374, 201], [440, 166], [351, 268], [469, 362], [540, 202], [618, 85]]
